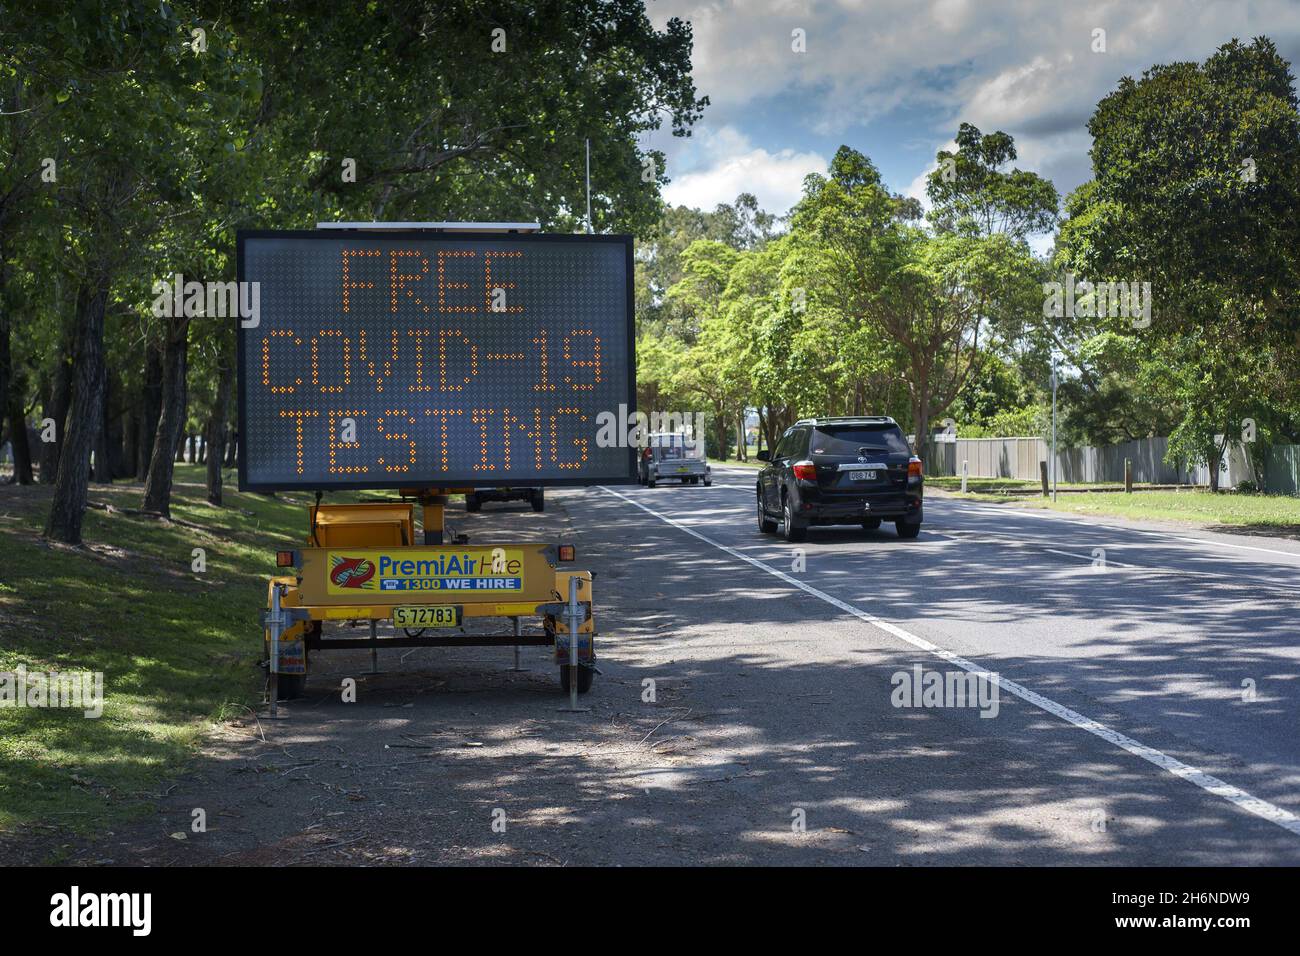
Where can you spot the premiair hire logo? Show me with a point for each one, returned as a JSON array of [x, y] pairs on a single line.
[[353, 573]]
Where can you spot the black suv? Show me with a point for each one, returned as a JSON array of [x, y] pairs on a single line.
[[840, 471]]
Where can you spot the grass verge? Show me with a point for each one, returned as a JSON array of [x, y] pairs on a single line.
[[1227, 510], [177, 648]]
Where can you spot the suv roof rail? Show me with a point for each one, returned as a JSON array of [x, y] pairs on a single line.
[[844, 419]]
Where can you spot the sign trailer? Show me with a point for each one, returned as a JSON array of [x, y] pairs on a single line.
[[430, 361]]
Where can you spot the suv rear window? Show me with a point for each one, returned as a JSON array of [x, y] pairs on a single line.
[[848, 439]]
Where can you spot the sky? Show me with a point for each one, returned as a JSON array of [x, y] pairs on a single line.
[[895, 78]]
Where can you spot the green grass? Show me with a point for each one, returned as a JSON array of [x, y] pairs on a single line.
[[1228, 509], [178, 649]]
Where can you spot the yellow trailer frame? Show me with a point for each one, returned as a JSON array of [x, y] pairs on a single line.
[[362, 564]]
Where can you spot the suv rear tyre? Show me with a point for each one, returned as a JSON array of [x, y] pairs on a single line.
[[794, 531], [907, 531], [871, 524]]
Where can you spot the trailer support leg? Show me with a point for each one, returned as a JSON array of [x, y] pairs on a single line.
[[374, 646], [277, 621], [518, 631], [575, 619], [274, 622]]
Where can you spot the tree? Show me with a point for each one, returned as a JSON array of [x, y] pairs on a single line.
[[974, 196], [929, 296], [175, 125], [492, 125], [1196, 190], [116, 139], [742, 225]]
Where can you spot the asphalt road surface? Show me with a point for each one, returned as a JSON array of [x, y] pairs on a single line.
[[1145, 708]]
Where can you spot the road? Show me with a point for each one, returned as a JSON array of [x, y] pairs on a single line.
[[1146, 706]]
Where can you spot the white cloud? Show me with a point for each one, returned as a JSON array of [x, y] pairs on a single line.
[[1023, 66], [725, 163]]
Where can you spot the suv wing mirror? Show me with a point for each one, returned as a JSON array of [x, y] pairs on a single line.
[[765, 455]]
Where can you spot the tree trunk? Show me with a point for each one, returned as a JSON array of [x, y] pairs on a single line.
[[158, 483], [120, 427], [767, 423], [921, 416], [183, 418], [6, 361], [215, 435], [68, 506], [130, 437], [150, 410], [56, 409], [22, 448], [103, 457]]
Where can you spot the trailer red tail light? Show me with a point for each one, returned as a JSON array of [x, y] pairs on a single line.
[[915, 469], [284, 559], [568, 552], [805, 471]]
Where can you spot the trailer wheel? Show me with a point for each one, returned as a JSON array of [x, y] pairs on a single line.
[[585, 676], [291, 686], [473, 502], [538, 500]]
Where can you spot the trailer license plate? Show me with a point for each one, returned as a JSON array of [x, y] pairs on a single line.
[[426, 615], [862, 476]]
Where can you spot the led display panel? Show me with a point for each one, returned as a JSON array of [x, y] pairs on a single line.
[[381, 359]]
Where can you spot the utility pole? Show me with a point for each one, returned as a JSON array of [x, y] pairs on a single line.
[[588, 187], [1054, 380]]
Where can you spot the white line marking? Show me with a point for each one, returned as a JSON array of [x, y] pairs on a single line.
[[1207, 782]]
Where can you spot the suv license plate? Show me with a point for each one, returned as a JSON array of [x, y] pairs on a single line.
[[426, 615], [862, 476]]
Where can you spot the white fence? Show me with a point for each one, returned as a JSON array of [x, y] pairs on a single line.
[[1019, 458]]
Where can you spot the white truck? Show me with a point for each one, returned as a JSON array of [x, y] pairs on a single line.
[[670, 456]]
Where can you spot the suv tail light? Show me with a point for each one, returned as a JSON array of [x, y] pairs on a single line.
[[805, 471], [914, 468]]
